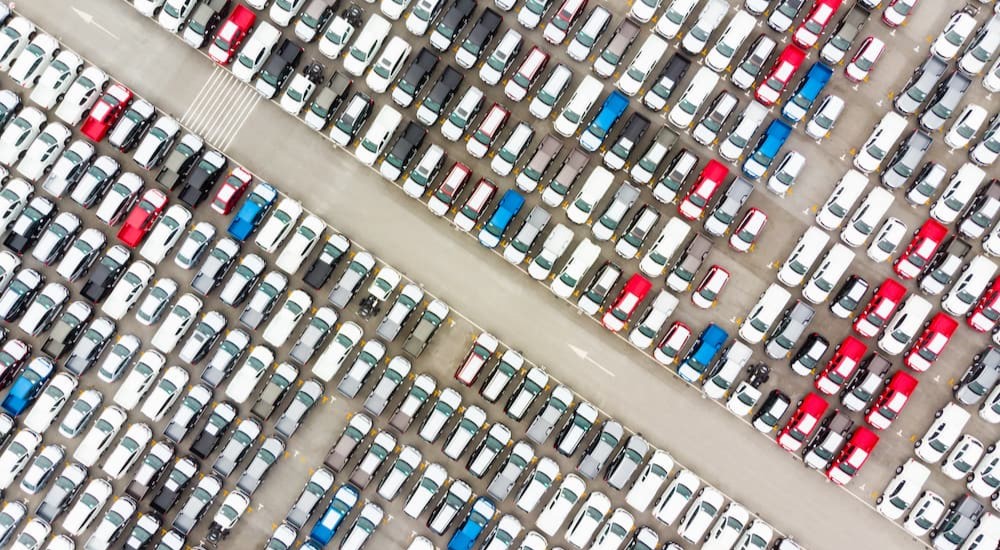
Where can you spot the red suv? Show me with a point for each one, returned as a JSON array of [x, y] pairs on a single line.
[[709, 181], [853, 456], [813, 26], [770, 89], [931, 343], [880, 307], [142, 217], [231, 33], [921, 249], [841, 366], [894, 397], [106, 111], [231, 191], [802, 423], [632, 294]]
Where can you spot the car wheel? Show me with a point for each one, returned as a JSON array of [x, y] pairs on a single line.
[[918, 443], [899, 470], [969, 478], [878, 501], [939, 412], [991, 448]]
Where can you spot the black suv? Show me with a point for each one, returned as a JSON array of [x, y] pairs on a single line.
[[279, 66], [403, 150], [202, 178], [414, 78]]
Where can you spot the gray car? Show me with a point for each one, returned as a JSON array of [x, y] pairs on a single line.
[[958, 523], [277, 386], [600, 449], [357, 429], [313, 335], [395, 373], [316, 488], [214, 269], [421, 390], [517, 250], [236, 448], [980, 378], [63, 489], [722, 216], [627, 461], [89, 347], [407, 301], [788, 330], [266, 456], [304, 400], [366, 361], [197, 503], [555, 407], [946, 99], [351, 280], [920, 85], [230, 350], [193, 404], [150, 469], [521, 456], [263, 299], [906, 159]]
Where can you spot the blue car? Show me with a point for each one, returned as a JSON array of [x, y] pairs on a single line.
[[510, 205], [28, 385], [702, 353], [809, 89], [252, 212], [343, 501], [767, 149], [475, 523], [612, 110]]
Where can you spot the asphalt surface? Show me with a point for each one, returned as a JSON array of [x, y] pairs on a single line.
[[271, 144]]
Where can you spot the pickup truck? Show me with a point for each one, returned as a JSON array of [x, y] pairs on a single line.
[[180, 161], [429, 322], [353, 434]]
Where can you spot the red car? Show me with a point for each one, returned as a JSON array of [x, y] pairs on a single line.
[[482, 349], [802, 423], [921, 249], [769, 90], [931, 343], [142, 217], [106, 111], [231, 33], [987, 311], [709, 181], [669, 349], [842, 366], [894, 397], [880, 307], [853, 456], [632, 294], [813, 26], [231, 191]]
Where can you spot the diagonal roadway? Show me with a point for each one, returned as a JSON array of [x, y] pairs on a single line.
[[723, 451]]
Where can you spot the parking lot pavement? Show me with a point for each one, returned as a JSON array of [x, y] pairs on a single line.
[[480, 286]]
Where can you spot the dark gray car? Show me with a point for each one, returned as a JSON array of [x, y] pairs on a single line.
[[236, 448], [263, 299], [89, 347], [357, 429], [521, 456], [958, 523], [219, 259], [788, 330], [687, 266], [357, 271], [266, 456], [63, 489], [906, 159], [600, 449], [197, 503], [980, 378], [313, 335], [407, 301], [920, 85], [627, 461], [946, 99]]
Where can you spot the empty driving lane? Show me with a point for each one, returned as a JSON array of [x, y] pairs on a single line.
[[351, 197]]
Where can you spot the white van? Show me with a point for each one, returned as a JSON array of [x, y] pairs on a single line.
[[549, 93], [866, 218], [841, 199], [654, 262], [961, 188], [466, 109], [721, 55], [651, 52], [904, 325], [553, 248], [590, 194], [583, 42], [942, 434], [378, 134], [828, 274], [652, 321], [682, 113], [763, 314], [903, 489], [803, 256], [583, 257], [967, 289], [880, 142], [586, 94], [384, 70], [366, 45], [746, 126]]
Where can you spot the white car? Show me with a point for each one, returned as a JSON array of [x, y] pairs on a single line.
[[942, 433], [925, 514], [126, 291], [127, 451], [56, 79], [903, 489], [966, 124], [279, 225], [246, 378], [175, 13], [168, 230], [92, 500], [33, 60], [676, 497], [13, 39], [50, 402], [13, 198], [255, 51], [963, 458], [377, 136], [195, 244], [388, 64], [139, 379], [38, 474], [284, 321], [156, 301], [985, 478], [954, 34], [16, 456], [825, 117], [297, 94], [612, 536], [727, 528], [165, 393], [652, 477], [887, 240], [68, 168], [82, 95], [19, 134], [100, 436], [700, 515], [43, 309], [113, 524], [583, 526], [178, 321], [120, 197], [148, 8], [283, 11], [156, 143], [673, 18], [643, 10], [343, 341], [120, 356], [338, 34], [204, 335]]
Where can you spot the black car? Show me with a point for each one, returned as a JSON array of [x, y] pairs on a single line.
[[439, 96], [321, 269], [215, 427], [103, 278], [666, 82], [758, 374], [479, 38], [21, 290], [178, 478], [202, 178], [65, 332], [28, 226], [414, 78], [403, 150], [452, 23], [635, 128], [280, 65]]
